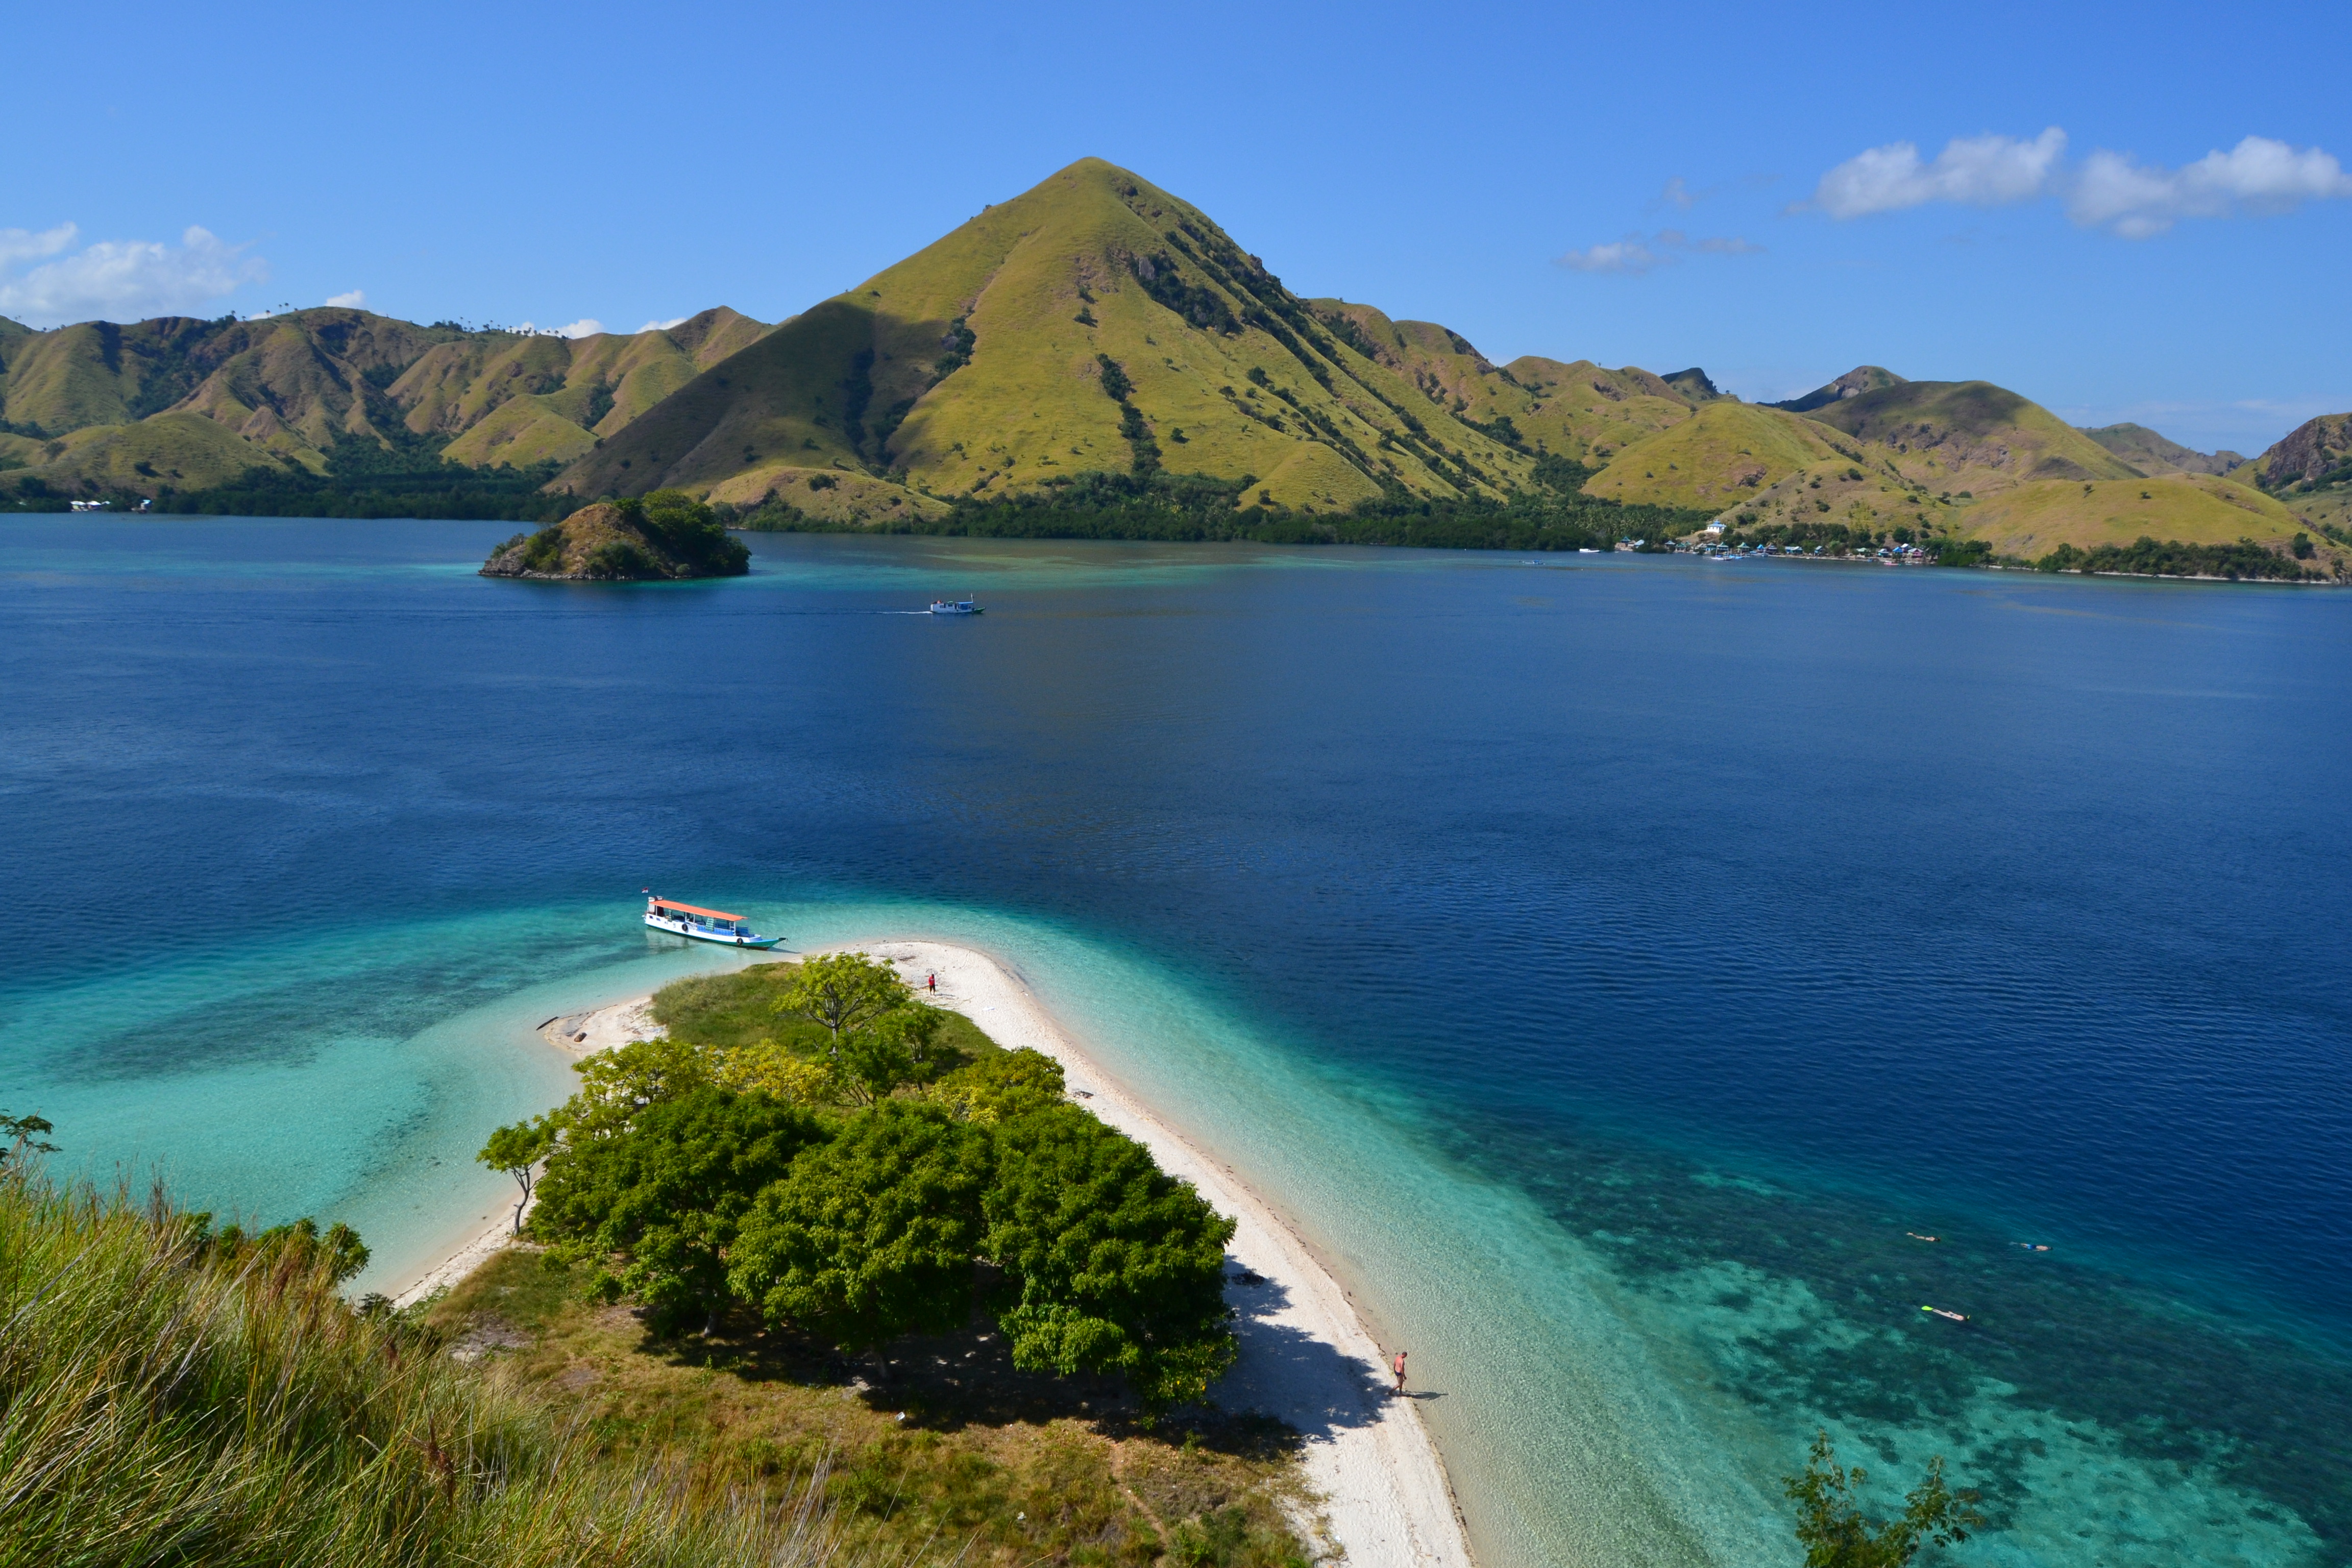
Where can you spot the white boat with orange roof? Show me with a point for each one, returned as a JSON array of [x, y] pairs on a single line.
[[703, 925]]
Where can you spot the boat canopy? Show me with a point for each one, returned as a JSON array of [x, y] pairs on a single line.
[[694, 910]]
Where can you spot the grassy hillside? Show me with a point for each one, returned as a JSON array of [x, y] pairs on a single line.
[[319, 391], [171, 1394], [662, 536], [1094, 324], [2151, 452], [1720, 458], [1970, 435], [1576, 410], [2032, 519]]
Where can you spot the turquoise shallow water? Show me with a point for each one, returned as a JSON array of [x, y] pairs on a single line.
[[1606, 963]]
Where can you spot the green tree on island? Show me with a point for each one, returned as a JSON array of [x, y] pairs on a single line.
[[1835, 1534], [668, 1192], [872, 1235], [882, 1036], [517, 1150], [845, 991], [1111, 1263]]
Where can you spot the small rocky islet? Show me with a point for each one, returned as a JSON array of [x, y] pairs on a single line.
[[666, 536]]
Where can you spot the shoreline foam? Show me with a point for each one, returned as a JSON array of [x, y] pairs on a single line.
[[1306, 1355]]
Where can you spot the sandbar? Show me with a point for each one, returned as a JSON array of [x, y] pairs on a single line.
[[1305, 1357]]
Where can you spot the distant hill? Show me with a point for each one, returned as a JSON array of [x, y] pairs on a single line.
[[177, 403], [2150, 453], [1722, 456], [2310, 473], [1096, 323], [1853, 383]]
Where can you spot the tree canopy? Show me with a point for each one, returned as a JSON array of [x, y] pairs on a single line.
[[873, 1235], [847, 1185], [668, 1191], [517, 1150], [1835, 1532], [1112, 1265]]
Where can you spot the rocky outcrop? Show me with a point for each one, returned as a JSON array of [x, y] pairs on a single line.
[[662, 537]]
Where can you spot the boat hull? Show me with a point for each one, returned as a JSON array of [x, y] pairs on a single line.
[[723, 938]]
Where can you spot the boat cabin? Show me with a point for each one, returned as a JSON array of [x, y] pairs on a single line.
[[717, 922]]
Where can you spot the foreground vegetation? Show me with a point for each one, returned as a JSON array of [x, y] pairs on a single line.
[[171, 1394]]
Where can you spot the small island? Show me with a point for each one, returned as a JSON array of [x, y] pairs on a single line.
[[662, 537]]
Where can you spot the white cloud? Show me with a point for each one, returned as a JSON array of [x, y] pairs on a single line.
[[2110, 190], [1979, 171], [663, 326], [23, 245], [1626, 254], [585, 327], [354, 301], [2258, 177], [1636, 253], [125, 281]]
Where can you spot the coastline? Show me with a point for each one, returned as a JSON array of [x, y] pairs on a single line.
[[1307, 1357]]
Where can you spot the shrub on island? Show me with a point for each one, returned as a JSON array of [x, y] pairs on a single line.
[[659, 537]]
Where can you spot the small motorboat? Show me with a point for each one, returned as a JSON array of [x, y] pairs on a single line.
[[956, 607], [703, 925]]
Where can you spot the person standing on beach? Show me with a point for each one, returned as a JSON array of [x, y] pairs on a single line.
[[933, 981], [1398, 1367]]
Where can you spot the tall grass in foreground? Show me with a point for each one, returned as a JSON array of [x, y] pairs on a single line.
[[167, 1400]]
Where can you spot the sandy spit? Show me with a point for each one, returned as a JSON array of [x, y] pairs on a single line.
[[1306, 1358]]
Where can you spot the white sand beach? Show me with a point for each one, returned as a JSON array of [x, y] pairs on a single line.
[[1306, 1358]]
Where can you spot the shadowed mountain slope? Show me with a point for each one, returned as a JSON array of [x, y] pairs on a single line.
[[2150, 453], [2310, 473], [1094, 323], [1950, 435], [1853, 383]]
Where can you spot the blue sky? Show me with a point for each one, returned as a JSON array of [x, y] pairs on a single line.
[[1662, 185]]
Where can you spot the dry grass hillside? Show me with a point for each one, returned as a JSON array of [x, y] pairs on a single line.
[[1724, 456], [1970, 435], [1577, 409], [2032, 519], [2310, 473], [109, 406], [976, 367]]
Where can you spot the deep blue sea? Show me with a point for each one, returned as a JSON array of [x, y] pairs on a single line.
[[1615, 964]]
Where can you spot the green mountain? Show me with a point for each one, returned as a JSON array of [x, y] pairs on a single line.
[[186, 404], [2150, 453], [1094, 323]]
